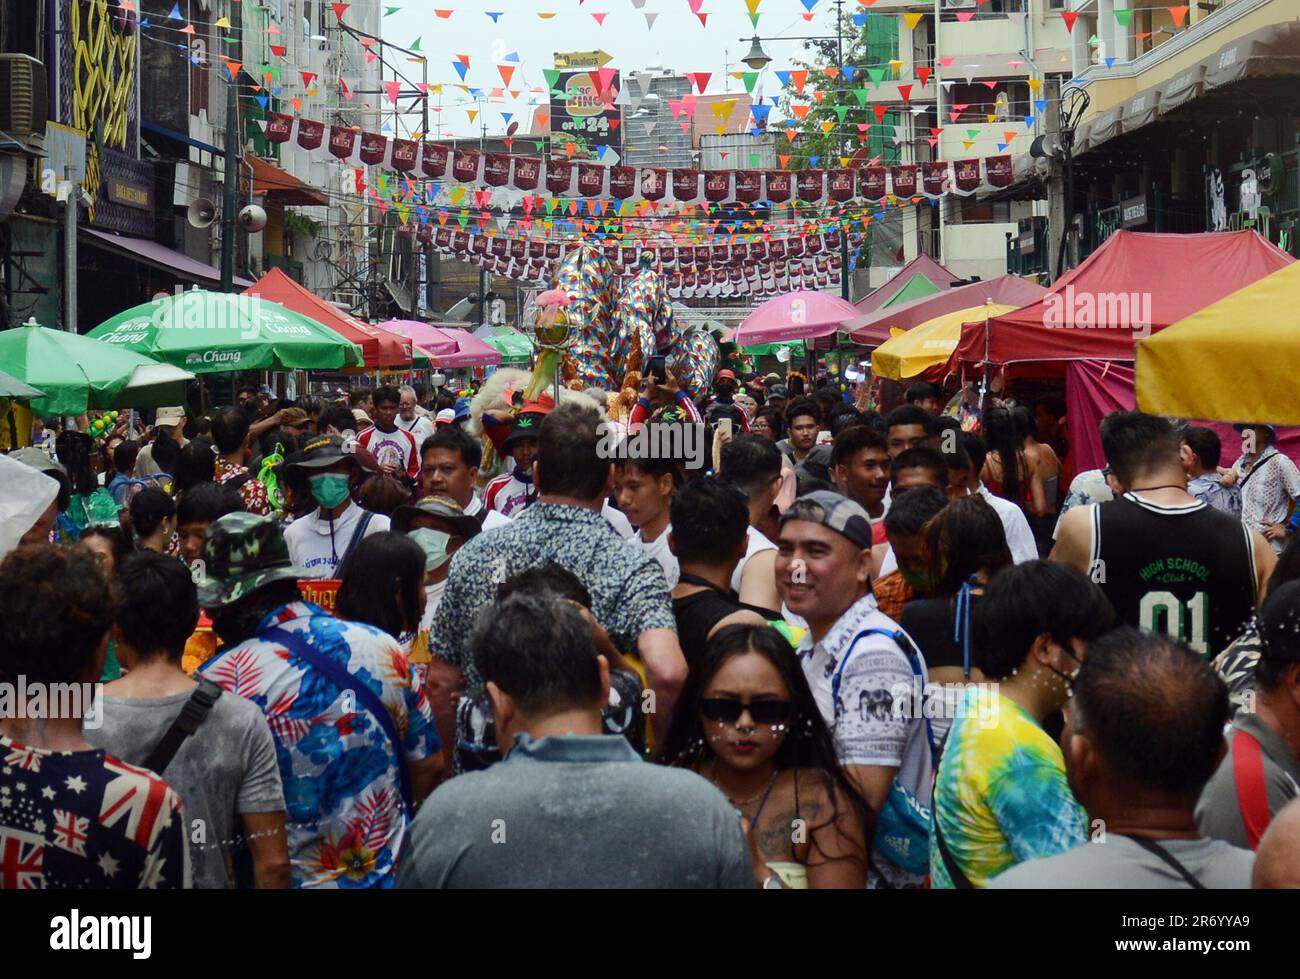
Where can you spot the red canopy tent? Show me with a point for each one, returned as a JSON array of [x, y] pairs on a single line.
[[381, 348], [1133, 285]]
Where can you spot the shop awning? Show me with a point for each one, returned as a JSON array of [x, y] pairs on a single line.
[[923, 265], [1272, 51], [158, 256], [280, 185]]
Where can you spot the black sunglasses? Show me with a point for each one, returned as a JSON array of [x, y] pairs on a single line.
[[728, 710]]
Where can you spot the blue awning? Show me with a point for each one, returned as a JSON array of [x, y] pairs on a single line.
[[198, 144]]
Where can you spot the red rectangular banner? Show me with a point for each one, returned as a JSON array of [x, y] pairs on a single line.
[[812, 185], [496, 169], [373, 148], [622, 182], [310, 134], [654, 184], [968, 175], [278, 127], [998, 170], [406, 153], [904, 179], [842, 185], [591, 179], [686, 185], [559, 176], [717, 185], [464, 165], [342, 141], [434, 160], [778, 186]]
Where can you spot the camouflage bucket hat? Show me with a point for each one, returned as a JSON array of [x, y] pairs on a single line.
[[242, 553]]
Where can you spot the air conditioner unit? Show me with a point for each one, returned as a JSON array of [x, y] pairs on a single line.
[[24, 105], [953, 4]]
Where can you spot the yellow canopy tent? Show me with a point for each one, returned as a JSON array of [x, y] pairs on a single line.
[[920, 348], [1235, 360]]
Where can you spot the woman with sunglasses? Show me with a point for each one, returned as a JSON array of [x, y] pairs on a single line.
[[747, 722]]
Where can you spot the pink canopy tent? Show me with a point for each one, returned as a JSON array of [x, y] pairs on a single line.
[[873, 329], [1095, 388], [921, 265], [800, 315], [446, 345]]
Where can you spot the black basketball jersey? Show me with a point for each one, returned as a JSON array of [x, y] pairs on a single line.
[[1186, 571]]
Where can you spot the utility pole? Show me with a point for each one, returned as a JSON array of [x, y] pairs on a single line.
[[484, 277], [845, 284], [70, 250], [232, 177]]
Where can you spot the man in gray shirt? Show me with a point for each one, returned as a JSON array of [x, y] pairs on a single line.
[[226, 770], [1261, 772], [1143, 736], [568, 806]]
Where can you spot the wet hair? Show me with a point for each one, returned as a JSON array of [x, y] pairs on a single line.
[[149, 508], [57, 605], [74, 450], [458, 441], [338, 416], [965, 538], [166, 453], [907, 415], [1024, 601], [1001, 437], [921, 390], [710, 518], [808, 743], [117, 539], [383, 494], [540, 651], [1135, 443], [1025, 422], [387, 395], [1205, 444], [855, 439], [381, 583], [1153, 710], [920, 457], [751, 462], [802, 407], [206, 503], [974, 448], [196, 466], [229, 429], [551, 578], [844, 416], [159, 604], [124, 456], [774, 420], [569, 462], [909, 513]]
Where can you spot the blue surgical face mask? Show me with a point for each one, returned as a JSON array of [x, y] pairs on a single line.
[[329, 489]]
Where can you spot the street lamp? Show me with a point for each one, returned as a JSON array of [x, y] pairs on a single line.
[[758, 59]]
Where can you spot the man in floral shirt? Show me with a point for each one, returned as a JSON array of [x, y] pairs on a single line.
[[351, 774], [231, 436]]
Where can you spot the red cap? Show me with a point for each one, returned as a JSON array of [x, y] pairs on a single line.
[[729, 375], [544, 405]]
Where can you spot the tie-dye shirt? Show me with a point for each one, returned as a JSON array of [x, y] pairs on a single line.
[[1001, 797]]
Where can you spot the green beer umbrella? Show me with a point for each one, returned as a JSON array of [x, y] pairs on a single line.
[[209, 332], [76, 373], [513, 346]]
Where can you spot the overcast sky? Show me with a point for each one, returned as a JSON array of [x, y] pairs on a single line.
[[678, 41]]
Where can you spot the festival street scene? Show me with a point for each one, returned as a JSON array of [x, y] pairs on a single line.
[[651, 444]]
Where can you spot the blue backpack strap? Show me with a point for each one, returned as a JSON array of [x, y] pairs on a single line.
[[961, 627], [366, 697], [913, 657]]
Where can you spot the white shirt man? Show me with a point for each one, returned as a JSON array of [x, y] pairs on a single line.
[[319, 545]]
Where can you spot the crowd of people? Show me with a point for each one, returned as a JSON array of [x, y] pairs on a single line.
[[393, 639]]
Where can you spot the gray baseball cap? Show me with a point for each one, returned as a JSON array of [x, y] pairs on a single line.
[[835, 512]]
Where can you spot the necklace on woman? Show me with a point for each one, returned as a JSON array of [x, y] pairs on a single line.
[[741, 803]]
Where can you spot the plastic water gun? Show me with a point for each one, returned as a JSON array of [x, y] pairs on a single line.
[[269, 477]]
